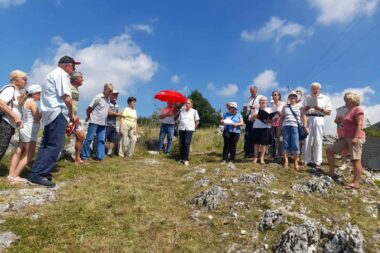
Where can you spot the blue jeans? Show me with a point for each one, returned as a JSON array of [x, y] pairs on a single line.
[[100, 132], [290, 140], [185, 140], [52, 144], [168, 130]]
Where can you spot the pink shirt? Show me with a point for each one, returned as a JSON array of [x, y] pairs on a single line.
[[350, 124]]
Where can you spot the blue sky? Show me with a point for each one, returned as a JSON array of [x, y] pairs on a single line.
[[218, 47]]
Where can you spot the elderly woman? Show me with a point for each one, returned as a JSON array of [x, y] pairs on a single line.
[[188, 121], [128, 129], [10, 111], [261, 129], [353, 139], [291, 116], [232, 121], [276, 105]]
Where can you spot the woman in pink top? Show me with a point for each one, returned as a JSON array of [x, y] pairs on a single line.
[[353, 139]]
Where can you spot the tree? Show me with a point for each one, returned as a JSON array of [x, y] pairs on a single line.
[[209, 117]]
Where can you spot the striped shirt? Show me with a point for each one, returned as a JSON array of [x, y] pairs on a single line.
[[289, 119]]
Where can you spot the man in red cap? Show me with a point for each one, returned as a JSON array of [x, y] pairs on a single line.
[[56, 108]]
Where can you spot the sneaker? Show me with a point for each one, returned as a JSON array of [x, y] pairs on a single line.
[[42, 181], [186, 163]]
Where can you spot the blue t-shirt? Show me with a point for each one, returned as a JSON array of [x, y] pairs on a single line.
[[235, 118]]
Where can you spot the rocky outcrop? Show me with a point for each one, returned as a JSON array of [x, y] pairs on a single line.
[[211, 198], [349, 240], [270, 220], [299, 238], [315, 185], [257, 178]]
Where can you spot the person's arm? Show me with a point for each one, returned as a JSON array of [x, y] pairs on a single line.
[[304, 119], [241, 123], [69, 105], [88, 112], [196, 123], [33, 107], [359, 127], [8, 111]]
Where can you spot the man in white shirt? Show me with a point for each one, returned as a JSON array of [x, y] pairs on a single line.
[[316, 106], [97, 113], [251, 104], [56, 108]]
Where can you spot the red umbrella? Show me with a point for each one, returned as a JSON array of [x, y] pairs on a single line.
[[170, 96]]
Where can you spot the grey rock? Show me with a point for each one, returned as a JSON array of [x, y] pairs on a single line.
[[233, 248], [201, 183], [6, 239], [216, 171], [315, 185], [257, 178], [372, 210], [349, 240], [210, 198], [150, 161], [198, 170], [4, 207], [299, 238], [270, 220]]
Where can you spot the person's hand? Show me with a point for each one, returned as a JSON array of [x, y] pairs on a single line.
[[306, 130], [307, 108], [87, 119], [317, 108], [121, 133], [74, 119], [18, 121], [355, 140]]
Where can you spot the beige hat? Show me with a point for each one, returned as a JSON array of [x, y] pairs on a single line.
[[293, 93], [233, 104]]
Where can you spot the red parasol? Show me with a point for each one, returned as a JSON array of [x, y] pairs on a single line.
[[170, 96]]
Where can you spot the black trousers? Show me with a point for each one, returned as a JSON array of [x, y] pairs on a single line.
[[6, 132], [185, 140], [248, 144], [229, 148]]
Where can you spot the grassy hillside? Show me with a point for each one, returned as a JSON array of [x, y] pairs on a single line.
[[143, 204]]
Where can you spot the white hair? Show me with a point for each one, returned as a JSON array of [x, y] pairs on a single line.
[[315, 84]]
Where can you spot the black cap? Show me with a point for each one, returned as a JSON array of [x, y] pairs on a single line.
[[68, 59]]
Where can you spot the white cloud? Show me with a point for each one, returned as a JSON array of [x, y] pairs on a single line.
[[211, 86], [265, 81], [119, 61], [228, 91], [341, 11], [174, 79], [9, 3], [277, 29], [141, 27]]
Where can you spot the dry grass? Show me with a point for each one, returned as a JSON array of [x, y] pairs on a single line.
[[126, 205]]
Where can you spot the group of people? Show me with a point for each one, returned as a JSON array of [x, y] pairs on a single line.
[[295, 126], [275, 123], [59, 97]]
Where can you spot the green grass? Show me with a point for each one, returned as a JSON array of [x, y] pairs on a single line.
[[125, 205]]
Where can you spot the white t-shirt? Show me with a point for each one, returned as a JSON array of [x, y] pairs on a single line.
[[321, 100], [187, 119], [7, 95], [258, 123], [252, 101], [277, 108], [56, 85]]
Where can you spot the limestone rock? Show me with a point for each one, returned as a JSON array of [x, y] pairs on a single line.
[[201, 183], [210, 198], [270, 220], [349, 240], [299, 238], [6, 239], [257, 178], [315, 184]]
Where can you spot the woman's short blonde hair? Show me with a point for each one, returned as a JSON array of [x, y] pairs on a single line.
[[263, 98], [17, 74], [109, 86], [353, 98]]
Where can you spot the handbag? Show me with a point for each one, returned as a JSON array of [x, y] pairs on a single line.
[[302, 133]]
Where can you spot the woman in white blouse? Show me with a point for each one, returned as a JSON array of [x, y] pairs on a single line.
[[188, 122]]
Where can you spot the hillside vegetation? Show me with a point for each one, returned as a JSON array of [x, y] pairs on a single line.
[[151, 203]]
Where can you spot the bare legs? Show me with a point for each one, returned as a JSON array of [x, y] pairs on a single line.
[[262, 153], [23, 155]]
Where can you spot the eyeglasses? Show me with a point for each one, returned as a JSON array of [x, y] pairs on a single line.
[[275, 95]]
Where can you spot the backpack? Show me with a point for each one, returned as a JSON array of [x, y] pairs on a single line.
[[10, 102]]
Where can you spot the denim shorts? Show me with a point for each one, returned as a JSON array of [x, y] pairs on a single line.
[[290, 140]]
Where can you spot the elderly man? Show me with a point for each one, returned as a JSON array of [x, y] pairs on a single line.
[[56, 107], [316, 106], [97, 113], [76, 79], [251, 104], [112, 135]]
